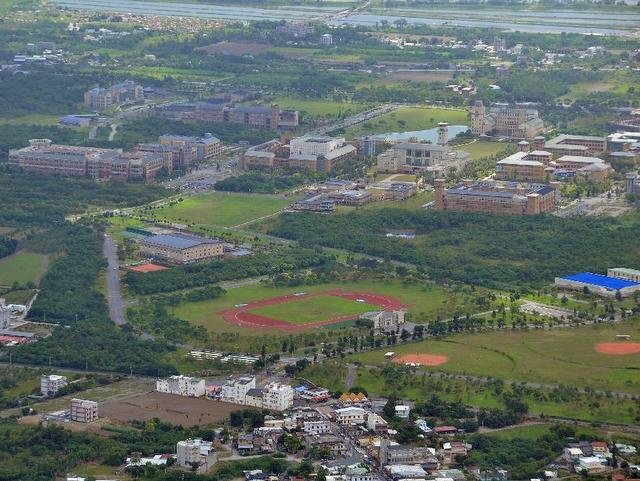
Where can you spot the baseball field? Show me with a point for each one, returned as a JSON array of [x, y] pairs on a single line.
[[581, 357]]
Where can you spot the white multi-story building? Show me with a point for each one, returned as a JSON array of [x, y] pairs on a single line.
[[316, 426], [51, 384], [277, 397], [235, 390], [5, 314], [84, 411], [195, 451], [315, 145], [181, 386], [351, 415]]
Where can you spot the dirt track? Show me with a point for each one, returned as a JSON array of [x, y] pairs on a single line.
[[241, 316]]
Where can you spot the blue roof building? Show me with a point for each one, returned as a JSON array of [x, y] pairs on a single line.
[[599, 284]]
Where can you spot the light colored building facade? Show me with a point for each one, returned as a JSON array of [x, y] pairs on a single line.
[[196, 452], [352, 416], [518, 167], [496, 197], [83, 411], [505, 120], [44, 157], [235, 390], [5, 314], [180, 248], [624, 273], [277, 397], [102, 98], [51, 384], [566, 144], [181, 386]]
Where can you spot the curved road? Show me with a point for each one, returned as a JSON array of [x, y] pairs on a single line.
[[114, 295]]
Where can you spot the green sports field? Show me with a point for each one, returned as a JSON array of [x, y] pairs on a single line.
[[425, 300], [220, 209], [314, 309], [560, 356], [22, 267]]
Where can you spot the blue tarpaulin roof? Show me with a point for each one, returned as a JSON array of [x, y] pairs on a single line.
[[612, 283]]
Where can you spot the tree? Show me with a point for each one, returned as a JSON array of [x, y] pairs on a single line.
[[389, 409]]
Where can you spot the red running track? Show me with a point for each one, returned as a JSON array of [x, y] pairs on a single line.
[[240, 316]]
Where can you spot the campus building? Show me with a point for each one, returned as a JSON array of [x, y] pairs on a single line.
[[606, 286], [51, 384], [519, 167], [181, 386], [592, 168], [422, 157], [506, 121], [318, 154], [495, 197], [46, 158], [567, 144], [102, 98], [83, 411], [180, 248], [256, 116]]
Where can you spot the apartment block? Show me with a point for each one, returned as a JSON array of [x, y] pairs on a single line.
[[181, 386], [277, 397], [495, 197], [51, 384], [235, 390], [5, 314], [84, 411], [195, 452]]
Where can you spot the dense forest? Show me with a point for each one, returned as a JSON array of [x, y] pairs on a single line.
[[494, 251], [32, 200], [7, 246], [264, 183], [280, 260]]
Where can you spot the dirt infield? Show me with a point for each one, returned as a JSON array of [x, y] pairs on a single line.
[[241, 316], [422, 359], [147, 268], [618, 348], [168, 408]]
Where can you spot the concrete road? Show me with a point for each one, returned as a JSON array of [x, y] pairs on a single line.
[[114, 295]]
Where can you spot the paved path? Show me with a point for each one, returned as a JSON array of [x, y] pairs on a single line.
[[114, 294]]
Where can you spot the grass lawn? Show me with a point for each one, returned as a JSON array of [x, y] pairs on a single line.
[[220, 209], [21, 296], [319, 108], [482, 148], [22, 267], [428, 299], [313, 309], [31, 119], [408, 119], [332, 375], [564, 356]]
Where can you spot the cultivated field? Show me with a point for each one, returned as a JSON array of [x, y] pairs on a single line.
[[168, 408], [427, 300], [567, 356], [220, 209], [408, 119], [22, 267]]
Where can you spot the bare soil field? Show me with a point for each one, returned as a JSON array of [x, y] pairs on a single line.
[[168, 408]]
